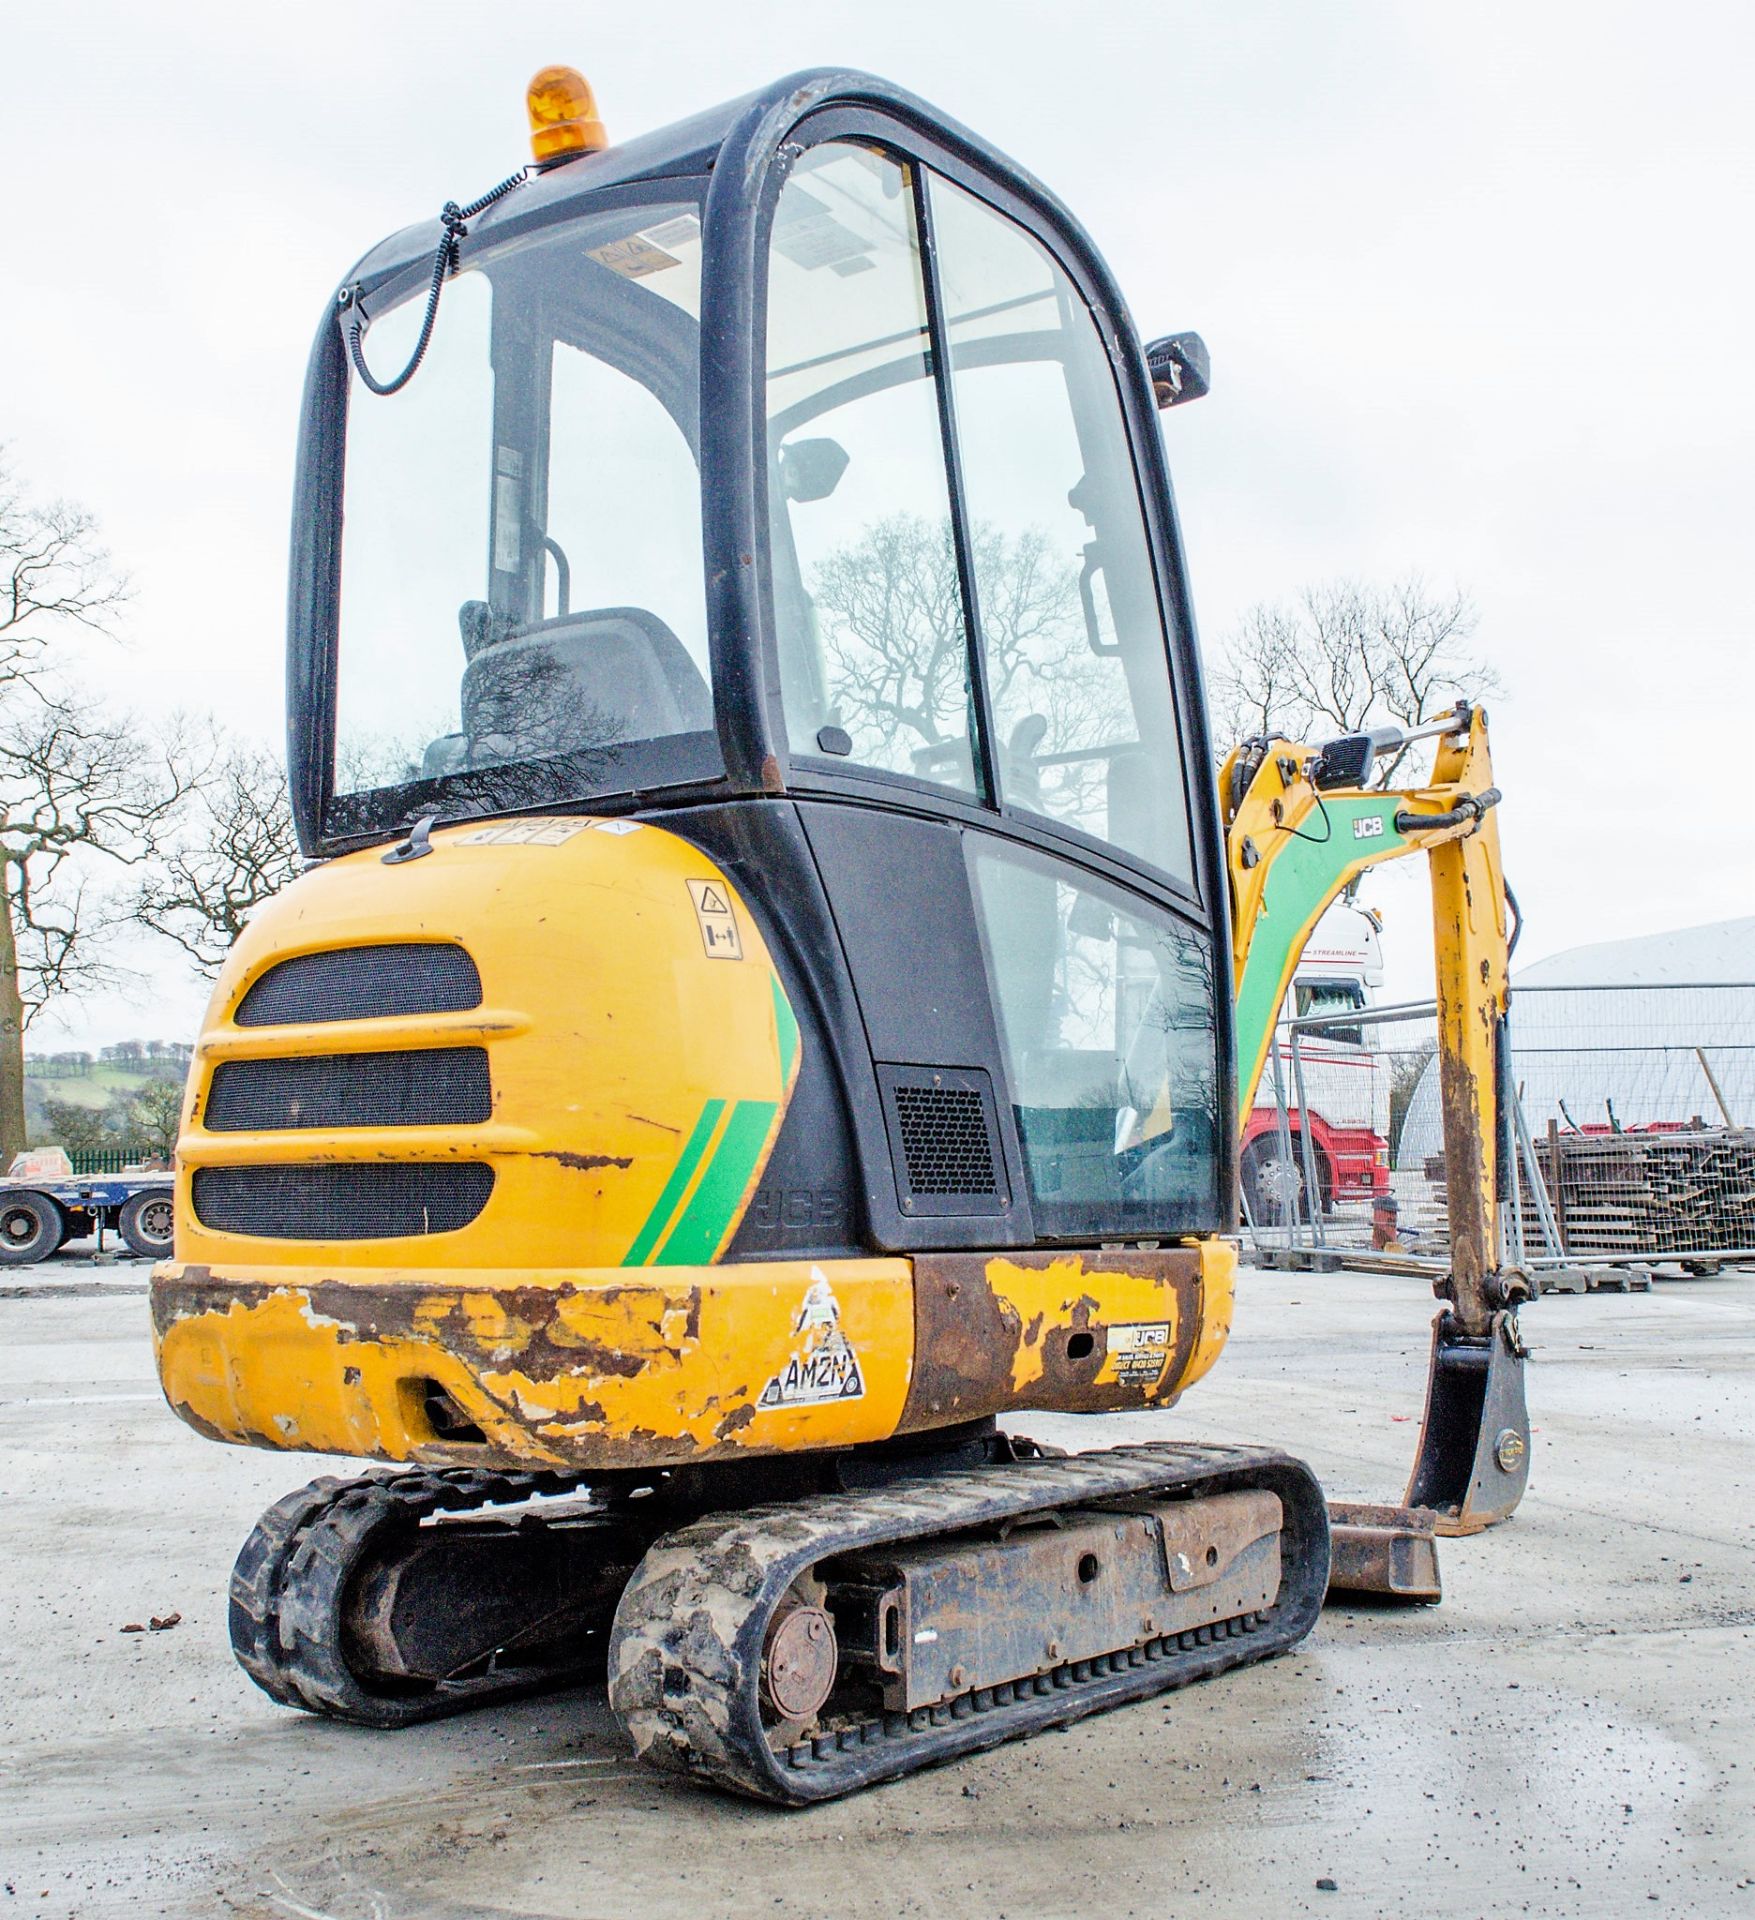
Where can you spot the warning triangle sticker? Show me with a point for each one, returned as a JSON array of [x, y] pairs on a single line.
[[713, 901], [815, 1375]]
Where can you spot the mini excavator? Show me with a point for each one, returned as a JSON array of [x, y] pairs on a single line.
[[757, 1015]]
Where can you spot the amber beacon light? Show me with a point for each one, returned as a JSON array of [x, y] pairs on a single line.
[[563, 115]]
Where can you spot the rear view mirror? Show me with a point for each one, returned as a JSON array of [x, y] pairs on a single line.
[[1179, 367]]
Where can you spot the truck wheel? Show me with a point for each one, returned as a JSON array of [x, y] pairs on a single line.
[[1274, 1187], [30, 1228], [146, 1224]]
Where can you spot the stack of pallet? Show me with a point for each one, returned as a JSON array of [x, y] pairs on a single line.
[[1653, 1193]]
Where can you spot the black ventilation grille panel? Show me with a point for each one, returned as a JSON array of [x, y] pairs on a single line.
[[943, 1141], [362, 983], [376, 1201], [436, 1087]]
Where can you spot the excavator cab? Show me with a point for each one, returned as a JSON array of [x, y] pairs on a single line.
[[760, 1009], [795, 474]]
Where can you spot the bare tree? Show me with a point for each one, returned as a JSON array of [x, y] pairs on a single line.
[[52, 568], [891, 612], [235, 847], [890, 609], [1346, 656], [78, 787], [147, 1117]]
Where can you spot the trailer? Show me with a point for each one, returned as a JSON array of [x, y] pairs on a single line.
[[44, 1204]]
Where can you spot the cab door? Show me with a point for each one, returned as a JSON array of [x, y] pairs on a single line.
[[973, 645]]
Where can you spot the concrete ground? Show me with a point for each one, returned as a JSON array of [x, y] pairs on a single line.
[[1572, 1732]]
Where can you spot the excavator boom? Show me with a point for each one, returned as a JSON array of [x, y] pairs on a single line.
[[1301, 825]]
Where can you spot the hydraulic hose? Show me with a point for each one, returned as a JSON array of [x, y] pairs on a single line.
[[1467, 808]]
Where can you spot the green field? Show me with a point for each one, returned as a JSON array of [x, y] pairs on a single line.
[[97, 1087]]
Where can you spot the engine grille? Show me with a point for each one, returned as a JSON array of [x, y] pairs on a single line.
[[379, 1201], [435, 1087], [362, 983], [942, 1139]]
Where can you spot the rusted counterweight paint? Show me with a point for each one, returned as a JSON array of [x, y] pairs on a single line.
[[609, 1368], [605, 1368], [1069, 1332]]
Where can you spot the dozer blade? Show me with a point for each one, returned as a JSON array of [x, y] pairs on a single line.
[[1387, 1551], [1474, 1457], [797, 1652]]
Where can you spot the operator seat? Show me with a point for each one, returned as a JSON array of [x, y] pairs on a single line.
[[599, 678]]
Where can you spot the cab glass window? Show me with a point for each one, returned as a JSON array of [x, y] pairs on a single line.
[[1106, 1011], [868, 607], [1066, 600], [1332, 1000], [522, 613]]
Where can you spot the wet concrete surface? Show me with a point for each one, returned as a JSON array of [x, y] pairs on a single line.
[[1571, 1733]]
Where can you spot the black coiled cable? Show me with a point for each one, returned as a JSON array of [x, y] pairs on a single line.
[[452, 219]]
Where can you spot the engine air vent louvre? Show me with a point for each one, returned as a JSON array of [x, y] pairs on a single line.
[[943, 1140], [432, 1087], [362, 983], [380, 1200]]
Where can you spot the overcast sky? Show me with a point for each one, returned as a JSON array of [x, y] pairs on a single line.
[[1476, 282]]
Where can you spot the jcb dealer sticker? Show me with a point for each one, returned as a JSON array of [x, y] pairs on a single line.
[[718, 923], [1137, 1354]]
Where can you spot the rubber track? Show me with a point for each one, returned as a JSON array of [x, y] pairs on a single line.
[[685, 1652], [290, 1583]]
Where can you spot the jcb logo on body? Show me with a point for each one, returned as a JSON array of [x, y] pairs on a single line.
[[1370, 827]]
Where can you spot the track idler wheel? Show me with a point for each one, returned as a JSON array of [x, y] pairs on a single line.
[[799, 1664]]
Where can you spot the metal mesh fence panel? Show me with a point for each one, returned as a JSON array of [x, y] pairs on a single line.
[[1634, 1133], [1322, 1161], [1640, 1107]]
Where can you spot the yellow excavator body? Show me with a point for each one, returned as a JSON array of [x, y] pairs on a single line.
[[582, 1318]]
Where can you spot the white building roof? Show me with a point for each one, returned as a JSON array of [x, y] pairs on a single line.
[[1723, 950], [1640, 1029]]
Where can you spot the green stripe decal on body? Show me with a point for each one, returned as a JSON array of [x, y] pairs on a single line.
[[640, 1253], [786, 1031], [694, 1236], [712, 1208]]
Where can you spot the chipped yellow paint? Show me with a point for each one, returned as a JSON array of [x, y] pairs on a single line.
[[574, 1368], [621, 1056], [1070, 1294], [1218, 1293], [276, 1372]]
